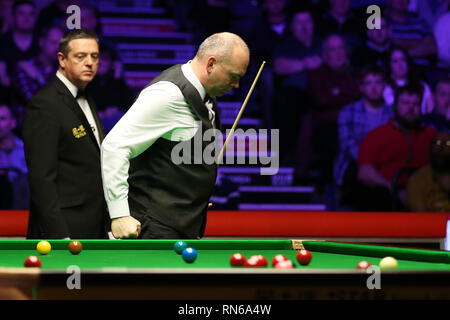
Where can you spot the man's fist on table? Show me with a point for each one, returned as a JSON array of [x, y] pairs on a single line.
[[125, 227]]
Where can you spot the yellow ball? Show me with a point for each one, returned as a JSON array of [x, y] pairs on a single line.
[[44, 247], [388, 263]]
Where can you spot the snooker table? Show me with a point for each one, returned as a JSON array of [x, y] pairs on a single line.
[[151, 269], [421, 229]]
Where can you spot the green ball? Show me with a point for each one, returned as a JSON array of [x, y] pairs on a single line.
[[179, 246]]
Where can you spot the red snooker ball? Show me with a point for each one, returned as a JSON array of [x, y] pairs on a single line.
[[262, 261], [251, 262], [304, 257], [286, 264], [75, 247], [363, 265], [32, 262], [278, 258], [237, 260], [256, 261]]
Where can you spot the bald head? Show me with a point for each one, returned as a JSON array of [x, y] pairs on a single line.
[[222, 45], [221, 60]]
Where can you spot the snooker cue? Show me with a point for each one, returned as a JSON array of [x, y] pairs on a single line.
[[230, 134]]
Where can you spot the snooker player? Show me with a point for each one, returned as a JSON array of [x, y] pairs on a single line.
[[148, 195]]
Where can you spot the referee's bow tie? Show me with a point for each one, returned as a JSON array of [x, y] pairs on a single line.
[[81, 94]]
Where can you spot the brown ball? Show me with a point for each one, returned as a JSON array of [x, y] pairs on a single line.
[[75, 247]]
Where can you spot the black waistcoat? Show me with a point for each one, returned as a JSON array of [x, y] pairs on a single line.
[[176, 195]]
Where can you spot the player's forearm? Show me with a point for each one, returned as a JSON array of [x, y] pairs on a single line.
[[118, 208], [115, 176], [147, 120]]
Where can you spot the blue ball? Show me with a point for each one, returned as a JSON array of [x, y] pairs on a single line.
[[179, 246], [189, 255]]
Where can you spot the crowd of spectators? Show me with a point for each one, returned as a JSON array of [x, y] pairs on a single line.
[[353, 102], [342, 92]]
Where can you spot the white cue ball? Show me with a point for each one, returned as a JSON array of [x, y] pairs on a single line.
[[388, 263]]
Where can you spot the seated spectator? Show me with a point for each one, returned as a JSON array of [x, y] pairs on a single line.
[[54, 14], [376, 49], [5, 15], [90, 19], [401, 143], [354, 122], [428, 188], [401, 71], [19, 43], [431, 11], [442, 37], [318, 8], [335, 83], [244, 16], [332, 86], [209, 16], [409, 31], [35, 73], [296, 53], [111, 95], [13, 169], [268, 32], [342, 20], [440, 117]]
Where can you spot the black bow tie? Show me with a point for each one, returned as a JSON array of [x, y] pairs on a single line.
[[207, 99], [81, 94]]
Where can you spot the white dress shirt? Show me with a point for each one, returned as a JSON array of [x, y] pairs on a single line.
[[160, 111], [83, 103]]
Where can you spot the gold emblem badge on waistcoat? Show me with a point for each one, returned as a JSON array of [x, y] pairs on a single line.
[[80, 132]]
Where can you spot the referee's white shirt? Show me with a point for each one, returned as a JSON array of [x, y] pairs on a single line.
[[83, 103]]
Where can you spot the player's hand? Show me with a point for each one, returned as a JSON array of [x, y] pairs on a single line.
[[210, 205], [125, 227]]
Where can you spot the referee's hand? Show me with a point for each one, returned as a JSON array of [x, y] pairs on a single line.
[[125, 227]]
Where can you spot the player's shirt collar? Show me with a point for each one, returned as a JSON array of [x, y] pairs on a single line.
[[192, 78]]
